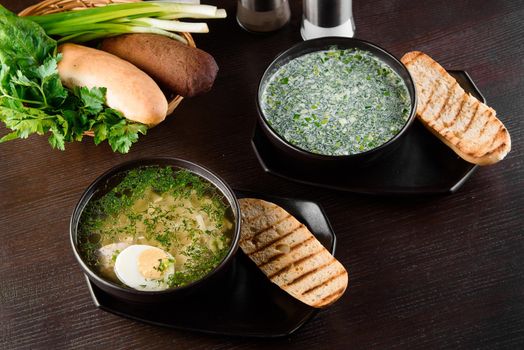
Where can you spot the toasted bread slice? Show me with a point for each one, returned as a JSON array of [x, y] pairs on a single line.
[[462, 122], [289, 255]]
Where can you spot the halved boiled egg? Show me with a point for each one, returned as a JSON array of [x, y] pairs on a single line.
[[144, 267]]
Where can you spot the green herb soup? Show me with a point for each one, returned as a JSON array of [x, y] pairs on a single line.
[[336, 102], [176, 211]]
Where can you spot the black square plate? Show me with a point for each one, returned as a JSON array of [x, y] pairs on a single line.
[[246, 304], [421, 164]]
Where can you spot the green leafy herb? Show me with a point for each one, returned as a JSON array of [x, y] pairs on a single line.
[[162, 265], [163, 221], [34, 101], [24, 43], [115, 255]]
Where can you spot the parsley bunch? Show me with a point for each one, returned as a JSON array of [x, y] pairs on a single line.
[[33, 99]]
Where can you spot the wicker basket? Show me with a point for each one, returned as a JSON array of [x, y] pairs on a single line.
[[53, 6]]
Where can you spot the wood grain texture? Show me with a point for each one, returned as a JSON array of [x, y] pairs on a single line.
[[429, 272]]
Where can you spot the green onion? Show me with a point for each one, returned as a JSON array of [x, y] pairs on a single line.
[[174, 26], [83, 36], [140, 17], [220, 13]]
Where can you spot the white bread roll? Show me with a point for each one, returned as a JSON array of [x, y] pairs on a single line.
[[129, 90]]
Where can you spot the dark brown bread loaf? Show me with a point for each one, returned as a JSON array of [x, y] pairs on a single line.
[[185, 70]]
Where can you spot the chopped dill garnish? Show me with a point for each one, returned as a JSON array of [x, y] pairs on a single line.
[[174, 210]]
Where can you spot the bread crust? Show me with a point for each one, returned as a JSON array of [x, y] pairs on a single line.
[[129, 90], [465, 124], [186, 70], [289, 255]]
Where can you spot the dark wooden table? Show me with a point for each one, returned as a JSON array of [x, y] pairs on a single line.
[[425, 272]]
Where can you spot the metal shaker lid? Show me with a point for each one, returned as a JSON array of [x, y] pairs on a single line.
[[327, 13]]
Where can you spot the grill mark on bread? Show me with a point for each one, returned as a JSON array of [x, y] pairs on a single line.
[[484, 122], [500, 130], [257, 233], [498, 135], [501, 146], [292, 248], [468, 126], [485, 126], [450, 93], [272, 226], [324, 282], [278, 239], [473, 116], [332, 295], [309, 273], [294, 263], [294, 259], [256, 217], [459, 110], [434, 88]]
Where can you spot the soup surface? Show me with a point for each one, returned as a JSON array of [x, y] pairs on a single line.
[[176, 211], [336, 102]]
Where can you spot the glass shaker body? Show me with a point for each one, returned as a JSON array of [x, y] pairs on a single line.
[[262, 15], [323, 18]]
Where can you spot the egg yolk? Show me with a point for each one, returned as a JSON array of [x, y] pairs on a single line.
[[152, 263]]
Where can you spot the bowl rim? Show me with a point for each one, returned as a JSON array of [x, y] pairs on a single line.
[[332, 40], [137, 163]]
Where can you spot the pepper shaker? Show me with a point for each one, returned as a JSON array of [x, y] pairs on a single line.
[[323, 18], [262, 15]]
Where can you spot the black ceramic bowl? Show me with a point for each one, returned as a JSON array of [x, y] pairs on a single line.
[[106, 182], [303, 159]]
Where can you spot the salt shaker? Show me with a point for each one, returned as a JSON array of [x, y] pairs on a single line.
[[323, 18], [262, 15]]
